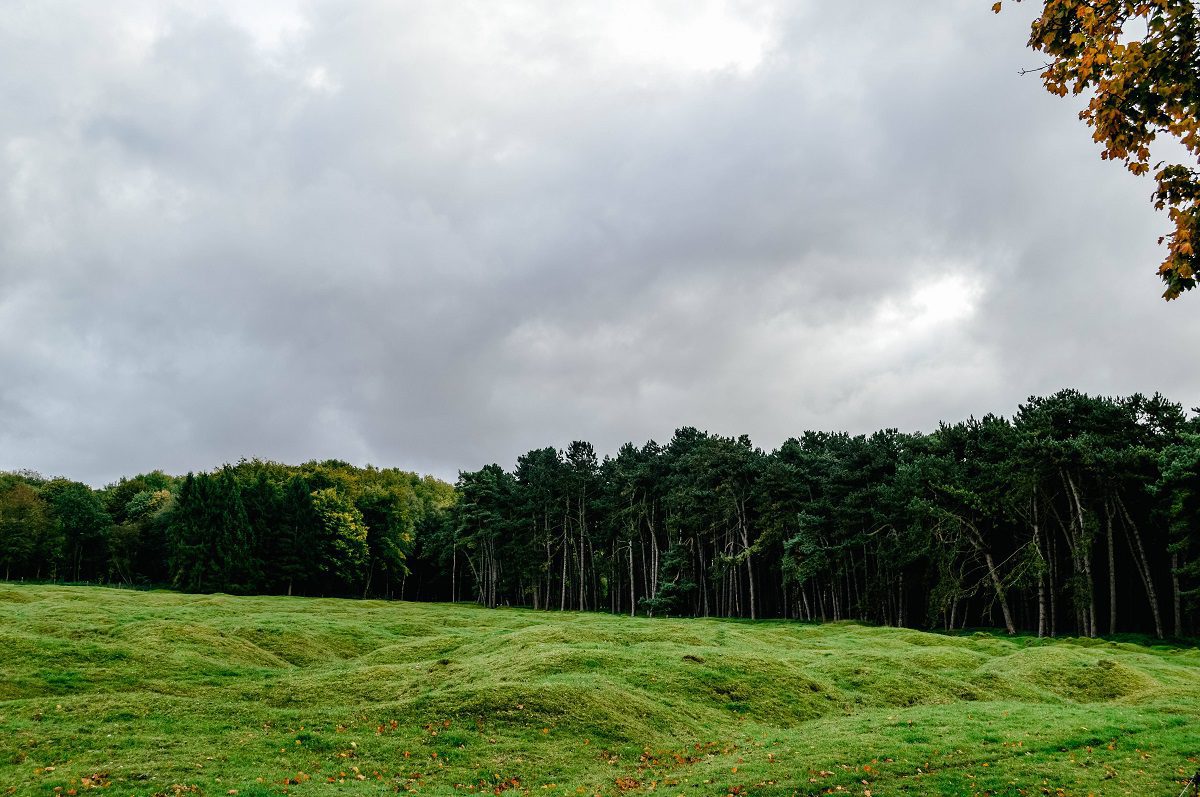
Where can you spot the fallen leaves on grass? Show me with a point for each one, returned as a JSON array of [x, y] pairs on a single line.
[[178, 790], [94, 781]]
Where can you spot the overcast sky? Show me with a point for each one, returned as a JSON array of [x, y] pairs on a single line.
[[434, 235]]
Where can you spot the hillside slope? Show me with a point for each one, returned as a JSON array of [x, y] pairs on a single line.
[[162, 693]]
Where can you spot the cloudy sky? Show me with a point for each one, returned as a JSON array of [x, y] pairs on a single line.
[[437, 234]]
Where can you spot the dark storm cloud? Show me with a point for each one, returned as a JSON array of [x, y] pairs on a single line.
[[435, 235]]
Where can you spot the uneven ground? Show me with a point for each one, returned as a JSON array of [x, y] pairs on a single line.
[[158, 693]]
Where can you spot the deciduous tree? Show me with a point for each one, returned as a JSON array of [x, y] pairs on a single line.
[[1140, 62]]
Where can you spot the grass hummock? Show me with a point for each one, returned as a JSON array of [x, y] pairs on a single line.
[[159, 693]]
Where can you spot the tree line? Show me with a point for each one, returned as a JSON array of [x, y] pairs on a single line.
[[322, 528], [1078, 515]]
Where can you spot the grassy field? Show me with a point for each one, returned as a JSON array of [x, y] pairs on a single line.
[[155, 693]]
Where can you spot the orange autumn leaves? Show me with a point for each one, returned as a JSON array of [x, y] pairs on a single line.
[[1140, 59]]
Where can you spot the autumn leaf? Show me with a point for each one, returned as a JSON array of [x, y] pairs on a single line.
[[1134, 61]]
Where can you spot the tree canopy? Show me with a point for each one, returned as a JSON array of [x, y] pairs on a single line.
[[1140, 62]]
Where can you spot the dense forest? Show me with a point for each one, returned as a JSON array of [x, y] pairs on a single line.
[[1079, 515]]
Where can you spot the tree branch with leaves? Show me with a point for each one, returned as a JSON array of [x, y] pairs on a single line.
[[1140, 60]]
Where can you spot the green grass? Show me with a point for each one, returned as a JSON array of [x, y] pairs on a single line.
[[147, 693]]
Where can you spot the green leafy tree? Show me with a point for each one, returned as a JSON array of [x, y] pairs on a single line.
[[136, 544], [581, 471], [967, 497], [24, 521], [186, 534], [544, 510], [297, 553], [1178, 487], [211, 537], [390, 512], [676, 583], [485, 515], [343, 540], [80, 514], [263, 502]]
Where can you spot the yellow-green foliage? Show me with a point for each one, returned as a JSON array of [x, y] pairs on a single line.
[[152, 693]]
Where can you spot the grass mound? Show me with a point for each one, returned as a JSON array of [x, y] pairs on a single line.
[[1078, 674], [160, 693]]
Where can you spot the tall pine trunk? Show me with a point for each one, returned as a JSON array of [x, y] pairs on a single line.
[[1083, 558], [1041, 575], [1112, 577], [1134, 538], [632, 600], [1008, 622], [1175, 590]]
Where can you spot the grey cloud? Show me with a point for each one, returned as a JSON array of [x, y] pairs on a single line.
[[434, 236]]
